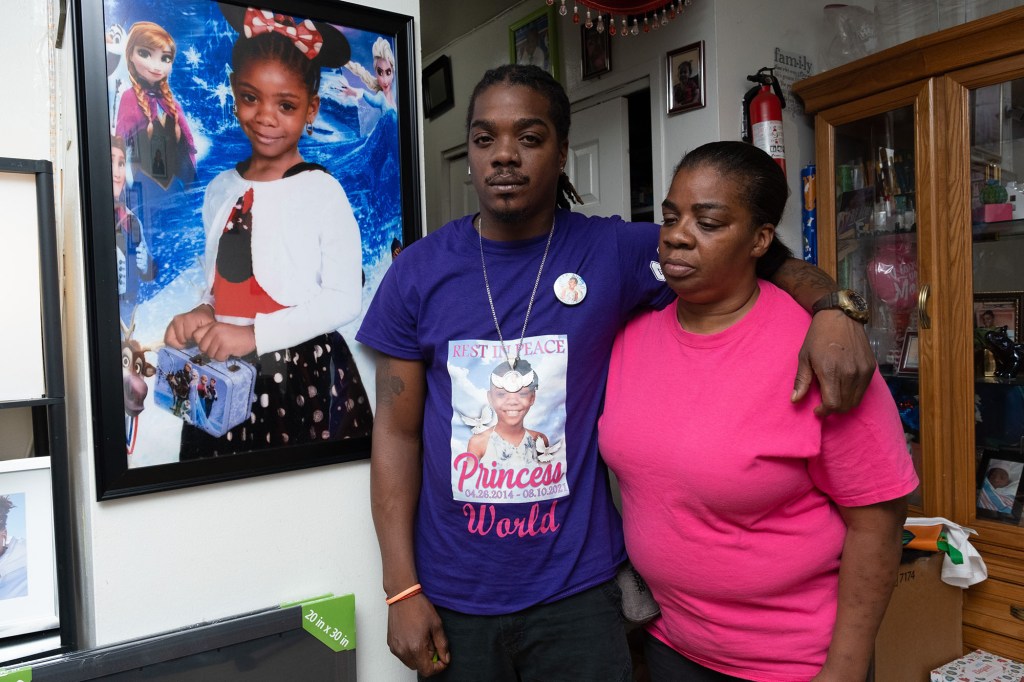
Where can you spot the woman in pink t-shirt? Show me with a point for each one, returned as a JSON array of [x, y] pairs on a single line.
[[769, 536]]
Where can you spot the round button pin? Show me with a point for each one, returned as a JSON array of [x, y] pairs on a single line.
[[570, 288]]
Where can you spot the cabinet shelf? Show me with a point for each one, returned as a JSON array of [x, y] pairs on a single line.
[[990, 232], [1001, 381]]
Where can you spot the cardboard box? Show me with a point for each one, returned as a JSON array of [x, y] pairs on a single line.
[[980, 666], [923, 625]]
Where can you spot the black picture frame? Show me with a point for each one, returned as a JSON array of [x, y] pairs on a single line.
[[437, 87], [595, 52], [1004, 307], [688, 94], [203, 41], [1002, 502], [910, 355]]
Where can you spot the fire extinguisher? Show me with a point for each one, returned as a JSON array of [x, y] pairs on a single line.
[[762, 115]]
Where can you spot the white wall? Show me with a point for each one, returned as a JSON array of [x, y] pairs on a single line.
[[164, 561], [740, 36]]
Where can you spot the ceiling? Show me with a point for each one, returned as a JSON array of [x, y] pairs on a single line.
[[442, 21]]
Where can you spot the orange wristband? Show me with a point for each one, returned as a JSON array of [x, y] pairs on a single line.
[[404, 594]]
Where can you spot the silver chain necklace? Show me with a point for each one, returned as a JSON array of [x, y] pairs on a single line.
[[513, 381]]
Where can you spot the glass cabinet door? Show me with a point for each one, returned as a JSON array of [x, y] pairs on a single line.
[[996, 132], [877, 250]]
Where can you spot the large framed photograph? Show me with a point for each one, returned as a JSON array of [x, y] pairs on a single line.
[[596, 52], [249, 173], [685, 78], [28, 585], [999, 309], [998, 482], [534, 40]]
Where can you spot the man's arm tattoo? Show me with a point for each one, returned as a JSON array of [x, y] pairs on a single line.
[[389, 386]]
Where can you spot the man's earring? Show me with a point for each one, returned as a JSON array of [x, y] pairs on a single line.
[[234, 109], [309, 128], [469, 170]]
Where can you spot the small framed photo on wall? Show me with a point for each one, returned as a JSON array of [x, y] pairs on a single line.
[[534, 40], [685, 78], [596, 52], [437, 87], [999, 309]]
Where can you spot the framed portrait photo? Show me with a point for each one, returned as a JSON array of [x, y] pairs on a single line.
[[685, 78], [998, 482], [910, 355], [999, 309], [437, 87], [235, 231], [595, 51], [534, 40], [28, 585]]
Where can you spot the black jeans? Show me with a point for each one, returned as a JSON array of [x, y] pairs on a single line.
[[668, 665], [581, 637]]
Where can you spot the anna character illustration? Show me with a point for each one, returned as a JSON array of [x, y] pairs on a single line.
[[149, 117]]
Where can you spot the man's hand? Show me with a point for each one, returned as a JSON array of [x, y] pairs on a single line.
[[182, 329], [220, 340], [837, 352], [416, 637]]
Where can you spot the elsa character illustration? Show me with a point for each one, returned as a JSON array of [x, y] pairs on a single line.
[[509, 442], [378, 90], [149, 117], [283, 251]]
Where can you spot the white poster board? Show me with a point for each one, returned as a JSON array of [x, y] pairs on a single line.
[[21, 343]]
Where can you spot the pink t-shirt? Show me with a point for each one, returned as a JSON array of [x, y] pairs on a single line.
[[729, 490]]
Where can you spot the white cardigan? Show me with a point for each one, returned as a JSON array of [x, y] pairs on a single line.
[[306, 252]]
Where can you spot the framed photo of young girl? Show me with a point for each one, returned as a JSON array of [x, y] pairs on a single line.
[[249, 173]]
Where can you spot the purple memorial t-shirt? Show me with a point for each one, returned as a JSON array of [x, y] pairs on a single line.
[[526, 522]]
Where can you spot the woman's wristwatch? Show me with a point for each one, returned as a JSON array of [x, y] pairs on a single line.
[[846, 300]]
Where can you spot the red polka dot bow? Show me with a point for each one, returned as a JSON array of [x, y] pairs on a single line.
[[303, 35]]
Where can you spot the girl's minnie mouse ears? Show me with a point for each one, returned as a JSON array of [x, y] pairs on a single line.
[[317, 40]]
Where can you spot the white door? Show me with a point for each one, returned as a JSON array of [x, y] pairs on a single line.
[[462, 199], [598, 164]]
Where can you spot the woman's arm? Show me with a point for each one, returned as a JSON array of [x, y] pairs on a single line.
[[836, 349], [415, 634], [867, 575]]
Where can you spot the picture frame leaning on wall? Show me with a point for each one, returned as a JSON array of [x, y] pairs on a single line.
[[203, 247], [28, 581]]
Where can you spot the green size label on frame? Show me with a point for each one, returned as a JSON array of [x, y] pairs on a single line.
[[332, 620], [16, 675]]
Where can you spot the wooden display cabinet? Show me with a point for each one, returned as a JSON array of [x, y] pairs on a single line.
[[920, 149]]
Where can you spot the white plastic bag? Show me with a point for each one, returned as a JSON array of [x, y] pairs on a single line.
[[972, 570]]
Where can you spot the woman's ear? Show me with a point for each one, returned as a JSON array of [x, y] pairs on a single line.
[[763, 236]]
